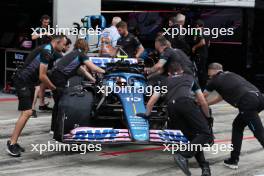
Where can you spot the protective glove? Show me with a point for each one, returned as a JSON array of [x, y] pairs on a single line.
[[210, 121], [143, 115], [59, 89]]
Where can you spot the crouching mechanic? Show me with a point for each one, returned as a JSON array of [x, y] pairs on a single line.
[[186, 114], [25, 81], [241, 94], [66, 68]]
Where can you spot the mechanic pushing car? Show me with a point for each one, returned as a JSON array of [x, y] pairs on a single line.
[[241, 94], [186, 114], [128, 42], [25, 80], [40, 90], [66, 68], [167, 56]]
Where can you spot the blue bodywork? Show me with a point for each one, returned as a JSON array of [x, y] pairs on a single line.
[[122, 74], [133, 102]]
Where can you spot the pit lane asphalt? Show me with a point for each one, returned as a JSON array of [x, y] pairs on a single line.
[[125, 160]]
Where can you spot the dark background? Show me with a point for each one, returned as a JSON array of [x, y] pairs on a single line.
[[17, 17], [246, 58]]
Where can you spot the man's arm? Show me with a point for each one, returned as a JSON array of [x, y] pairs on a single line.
[[116, 48], [140, 50], [210, 87], [93, 67], [202, 102], [34, 37], [44, 78], [139, 47], [84, 71], [152, 101], [157, 67], [206, 94], [216, 99], [200, 98]]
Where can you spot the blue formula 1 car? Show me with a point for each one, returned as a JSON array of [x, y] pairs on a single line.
[[119, 96]]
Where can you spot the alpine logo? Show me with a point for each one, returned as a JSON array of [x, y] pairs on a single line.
[[96, 134], [171, 136]]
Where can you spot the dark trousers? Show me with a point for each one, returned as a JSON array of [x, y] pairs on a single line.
[[59, 81], [56, 96], [249, 107], [202, 71], [156, 79], [187, 116]]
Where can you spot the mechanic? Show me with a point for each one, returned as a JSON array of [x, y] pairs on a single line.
[[128, 42], [168, 55], [40, 37], [109, 39], [178, 41], [66, 68], [40, 90], [241, 94], [200, 52], [186, 114], [25, 80]]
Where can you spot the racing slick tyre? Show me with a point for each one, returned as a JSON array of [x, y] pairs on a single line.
[[74, 111]]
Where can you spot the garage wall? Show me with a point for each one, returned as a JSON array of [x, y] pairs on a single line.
[[65, 12], [234, 3]]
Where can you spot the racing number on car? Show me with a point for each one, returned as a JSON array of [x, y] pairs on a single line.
[[133, 99]]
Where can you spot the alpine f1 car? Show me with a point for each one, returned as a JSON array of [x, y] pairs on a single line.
[[113, 116]]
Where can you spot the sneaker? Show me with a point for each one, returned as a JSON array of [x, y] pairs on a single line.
[[182, 163], [45, 108], [34, 114], [13, 150], [22, 149], [206, 171], [231, 163]]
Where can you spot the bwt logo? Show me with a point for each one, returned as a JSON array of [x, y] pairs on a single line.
[[171, 136], [96, 134]]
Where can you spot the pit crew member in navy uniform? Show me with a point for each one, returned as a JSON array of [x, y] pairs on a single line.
[[25, 80], [128, 42], [66, 68], [243, 95], [186, 114]]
